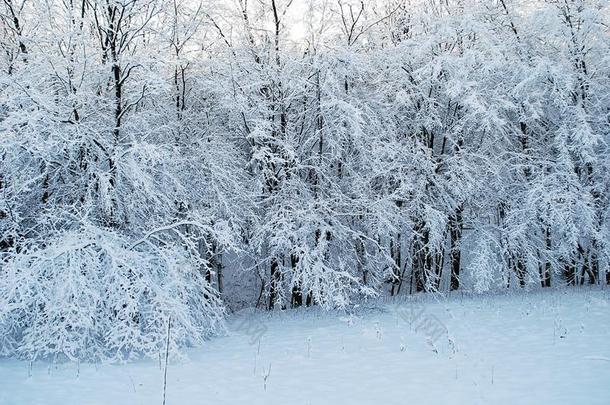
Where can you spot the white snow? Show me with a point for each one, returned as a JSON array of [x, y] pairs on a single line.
[[546, 347]]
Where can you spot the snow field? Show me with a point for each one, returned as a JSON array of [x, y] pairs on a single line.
[[548, 347]]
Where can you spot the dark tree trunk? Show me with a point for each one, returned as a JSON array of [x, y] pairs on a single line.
[[595, 269], [547, 265], [309, 300], [274, 283], [297, 293], [544, 269], [586, 267], [520, 270], [456, 253], [428, 261], [569, 272], [395, 247]]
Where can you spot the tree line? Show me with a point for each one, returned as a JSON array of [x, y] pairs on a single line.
[[172, 159]]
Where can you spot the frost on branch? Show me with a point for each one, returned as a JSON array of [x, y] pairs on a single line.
[[87, 295], [485, 263]]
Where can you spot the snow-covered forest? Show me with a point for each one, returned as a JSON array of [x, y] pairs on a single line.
[[166, 162]]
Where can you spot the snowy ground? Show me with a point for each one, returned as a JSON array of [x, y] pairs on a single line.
[[548, 347]]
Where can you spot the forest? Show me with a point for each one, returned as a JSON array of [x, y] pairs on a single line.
[[175, 160]]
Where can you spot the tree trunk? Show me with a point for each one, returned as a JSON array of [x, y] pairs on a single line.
[[547, 265], [395, 247], [520, 270], [569, 272], [297, 293], [456, 253], [274, 284]]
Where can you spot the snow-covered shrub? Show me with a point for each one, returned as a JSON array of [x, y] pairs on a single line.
[[89, 294]]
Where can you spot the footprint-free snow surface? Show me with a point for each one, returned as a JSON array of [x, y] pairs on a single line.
[[546, 347]]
